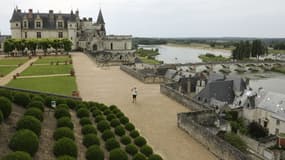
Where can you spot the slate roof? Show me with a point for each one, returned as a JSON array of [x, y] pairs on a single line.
[[48, 23], [100, 19]]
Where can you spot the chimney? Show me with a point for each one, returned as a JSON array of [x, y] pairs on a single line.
[[50, 12], [90, 19], [71, 12], [30, 13], [51, 16], [77, 13]]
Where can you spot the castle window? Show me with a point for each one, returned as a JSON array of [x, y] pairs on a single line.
[[278, 122], [38, 24], [125, 45], [16, 24], [60, 35], [60, 25], [25, 24], [26, 35], [111, 46], [39, 35]]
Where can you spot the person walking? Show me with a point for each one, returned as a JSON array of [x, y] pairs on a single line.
[[134, 93]]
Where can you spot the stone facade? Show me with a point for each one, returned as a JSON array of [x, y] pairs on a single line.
[[84, 33]]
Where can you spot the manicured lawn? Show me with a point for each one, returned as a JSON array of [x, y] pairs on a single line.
[[47, 70], [5, 70], [13, 61], [54, 59], [59, 85], [149, 60]]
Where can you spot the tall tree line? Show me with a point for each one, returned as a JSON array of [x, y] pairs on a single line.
[[20, 46], [247, 49]]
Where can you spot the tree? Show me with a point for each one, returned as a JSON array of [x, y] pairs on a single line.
[[44, 44], [9, 46], [256, 131], [32, 45], [258, 49], [20, 45], [66, 45]]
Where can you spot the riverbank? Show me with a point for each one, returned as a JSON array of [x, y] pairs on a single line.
[[200, 46]]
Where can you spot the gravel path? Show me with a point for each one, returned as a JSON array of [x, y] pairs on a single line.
[[154, 114]]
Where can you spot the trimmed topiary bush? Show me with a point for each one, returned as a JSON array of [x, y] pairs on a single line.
[[154, 157], [62, 106], [5, 107], [64, 122], [96, 113], [24, 140], [65, 158], [139, 156], [6, 93], [115, 122], [71, 103], [31, 123], [91, 139], [1, 117], [140, 141], [125, 140], [113, 107], [82, 112], [131, 149], [120, 115], [81, 106], [18, 155], [65, 146], [107, 111], [99, 118], [48, 100], [22, 99], [120, 131], [134, 133], [129, 126], [124, 120], [146, 150], [103, 125], [118, 154], [63, 132], [35, 112], [111, 117], [61, 112], [112, 144], [88, 129], [107, 134], [84, 121], [38, 98], [94, 153], [36, 104]]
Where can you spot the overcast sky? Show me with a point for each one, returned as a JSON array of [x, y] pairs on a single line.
[[169, 18]]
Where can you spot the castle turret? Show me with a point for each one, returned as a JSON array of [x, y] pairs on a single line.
[[101, 23]]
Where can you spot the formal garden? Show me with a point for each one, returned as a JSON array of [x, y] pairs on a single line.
[[7, 65], [32, 129]]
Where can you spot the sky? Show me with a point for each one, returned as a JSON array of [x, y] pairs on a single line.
[[169, 18]]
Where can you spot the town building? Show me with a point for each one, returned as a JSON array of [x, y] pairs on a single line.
[[83, 32]]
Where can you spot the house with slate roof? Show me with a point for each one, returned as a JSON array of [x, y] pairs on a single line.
[[83, 32]]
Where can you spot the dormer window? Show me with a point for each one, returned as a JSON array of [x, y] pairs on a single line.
[[38, 24]]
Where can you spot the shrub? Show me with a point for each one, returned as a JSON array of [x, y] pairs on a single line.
[[103, 125], [62, 106], [236, 141], [113, 107], [92, 108], [120, 131], [6, 93], [107, 111], [131, 149], [71, 103], [118, 154], [91, 139], [84, 121], [24, 140], [94, 153], [87, 129], [64, 122], [65, 158], [124, 120], [107, 134], [18, 155], [99, 118], [38, 98], [22, 99], [82, 112], [111, 117], [256, 130], [146, 150], [120, 115], [126, 140], [36, 104], [115, 122], [102, 107], [65, 146], [31, 123], [154, 157], [35, 112], [129, 126], [48, 100], [112, 144], [134, 134], [140, 141], [5, 107], [1, 117], [81, 106], [63, 132], [139, 156], [95, 113], [61, 112]]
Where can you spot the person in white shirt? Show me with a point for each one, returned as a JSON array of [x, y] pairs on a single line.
[[134, 93]]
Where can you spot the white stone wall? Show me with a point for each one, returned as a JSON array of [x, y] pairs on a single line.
[[16, 30], [44, 33], [72, 30], [124, 44]]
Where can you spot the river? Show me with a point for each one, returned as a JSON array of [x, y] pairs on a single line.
[[178, 54]]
